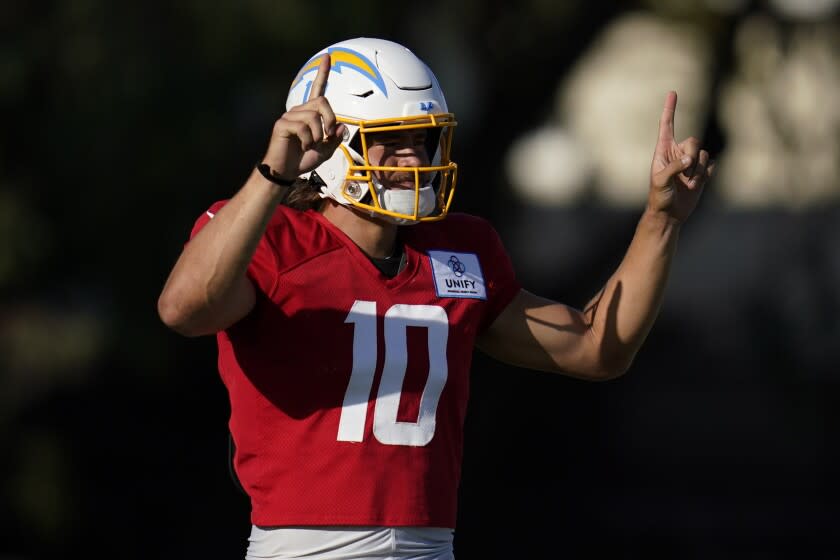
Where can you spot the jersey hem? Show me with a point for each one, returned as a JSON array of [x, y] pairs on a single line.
[[349, 522]]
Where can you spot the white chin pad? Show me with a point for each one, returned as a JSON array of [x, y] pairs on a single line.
[[402, 200]]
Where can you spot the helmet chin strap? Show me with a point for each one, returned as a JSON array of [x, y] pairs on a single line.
[[402, 201]]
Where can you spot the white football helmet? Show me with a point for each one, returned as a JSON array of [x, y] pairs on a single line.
[[379, 86]]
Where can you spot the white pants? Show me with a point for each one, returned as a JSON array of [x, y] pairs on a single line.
[[358, 543]]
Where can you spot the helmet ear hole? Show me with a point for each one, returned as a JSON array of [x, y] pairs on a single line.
[[316, 180]]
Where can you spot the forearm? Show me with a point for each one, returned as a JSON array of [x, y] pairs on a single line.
[[207, 287], [622, 314]]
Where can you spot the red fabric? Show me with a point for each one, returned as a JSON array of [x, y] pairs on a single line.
[[288, 363]]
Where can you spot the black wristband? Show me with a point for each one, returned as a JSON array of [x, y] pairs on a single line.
[[265, 171]]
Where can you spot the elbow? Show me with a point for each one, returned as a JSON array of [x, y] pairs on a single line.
[[608, 373], [599, 373], [593, 370], [599, 361], [603, 366], [172, 313], [613, 367]]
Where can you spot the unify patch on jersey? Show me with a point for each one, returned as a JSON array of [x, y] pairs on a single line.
[[457, 275]]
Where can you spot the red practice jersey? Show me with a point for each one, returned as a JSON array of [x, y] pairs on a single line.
[[348, 389]]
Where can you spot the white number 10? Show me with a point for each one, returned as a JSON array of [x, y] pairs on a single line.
[[386, 429]]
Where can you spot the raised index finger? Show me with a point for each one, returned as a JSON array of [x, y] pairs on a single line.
[[319, 86], [666, 121]]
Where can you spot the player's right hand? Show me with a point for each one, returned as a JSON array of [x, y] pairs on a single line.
[[307, 135]]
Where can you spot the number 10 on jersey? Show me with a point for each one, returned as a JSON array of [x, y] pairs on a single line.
[[386, 428]]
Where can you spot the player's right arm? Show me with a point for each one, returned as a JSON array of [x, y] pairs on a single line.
[[207, 289]]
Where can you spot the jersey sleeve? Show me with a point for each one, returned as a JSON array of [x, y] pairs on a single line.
[[262, 270], [502, 284]]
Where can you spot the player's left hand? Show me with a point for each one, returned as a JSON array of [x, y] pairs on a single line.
[[679, 171]]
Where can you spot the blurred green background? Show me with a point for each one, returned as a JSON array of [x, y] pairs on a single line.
[[123, 122]]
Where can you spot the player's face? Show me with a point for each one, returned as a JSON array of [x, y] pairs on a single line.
[[399, 148]]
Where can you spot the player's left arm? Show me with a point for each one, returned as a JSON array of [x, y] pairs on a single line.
[[601, 340]]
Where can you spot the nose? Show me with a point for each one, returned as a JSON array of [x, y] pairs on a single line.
[[411, 150], [411, 154]]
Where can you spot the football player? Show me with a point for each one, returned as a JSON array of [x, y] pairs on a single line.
[[346, 300]]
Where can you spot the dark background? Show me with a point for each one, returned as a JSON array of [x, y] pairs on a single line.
[[122, 122]]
